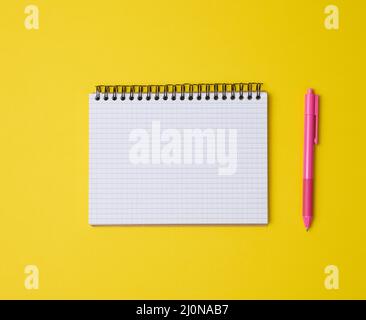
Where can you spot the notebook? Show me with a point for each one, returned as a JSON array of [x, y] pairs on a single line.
[[178, 154]]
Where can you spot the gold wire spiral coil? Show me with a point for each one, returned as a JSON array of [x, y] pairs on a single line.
[[181, 91]]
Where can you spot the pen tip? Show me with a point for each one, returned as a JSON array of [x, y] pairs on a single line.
[[307, 229], [310, 91], [307, 222]]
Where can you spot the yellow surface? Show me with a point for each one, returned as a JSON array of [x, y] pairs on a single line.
[[46, 76]]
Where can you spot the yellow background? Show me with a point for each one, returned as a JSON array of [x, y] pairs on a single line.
[[46, 76]]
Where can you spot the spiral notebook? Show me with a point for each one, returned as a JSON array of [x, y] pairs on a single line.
[[178, 154]]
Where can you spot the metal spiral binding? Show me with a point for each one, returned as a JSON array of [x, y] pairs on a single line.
[[180, 91]]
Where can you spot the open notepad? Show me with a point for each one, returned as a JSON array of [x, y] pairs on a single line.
[[175, 157]]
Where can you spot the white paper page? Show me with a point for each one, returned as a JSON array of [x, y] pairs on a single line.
[[178, 162]]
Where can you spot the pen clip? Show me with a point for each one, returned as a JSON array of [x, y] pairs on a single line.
[[316, 113]]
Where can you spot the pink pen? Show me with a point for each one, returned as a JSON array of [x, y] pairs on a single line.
[[311, 137]]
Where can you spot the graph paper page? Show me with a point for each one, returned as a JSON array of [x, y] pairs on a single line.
[[178, 162]]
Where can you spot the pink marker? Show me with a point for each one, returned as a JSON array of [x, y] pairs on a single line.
[[311, 137]]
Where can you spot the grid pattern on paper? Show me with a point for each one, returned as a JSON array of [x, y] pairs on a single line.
[[123, 193]]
